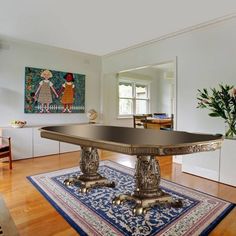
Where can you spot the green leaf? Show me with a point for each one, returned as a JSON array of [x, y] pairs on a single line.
[[213, 114], [205, 91], [203, 95]]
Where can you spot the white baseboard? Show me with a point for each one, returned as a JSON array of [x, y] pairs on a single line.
[[202, 172]]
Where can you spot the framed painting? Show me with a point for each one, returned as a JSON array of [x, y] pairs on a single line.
[[50, 91]]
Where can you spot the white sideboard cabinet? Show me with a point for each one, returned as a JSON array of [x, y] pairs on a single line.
[[42, 146], [67, 147], [228, 162], [27, 143], [204, 164], [218, 165], [21, 140]]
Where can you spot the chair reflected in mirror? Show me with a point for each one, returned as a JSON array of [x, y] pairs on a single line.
[[169, 126], [160, 115], [140, 121], [5, 149], [161, 121]]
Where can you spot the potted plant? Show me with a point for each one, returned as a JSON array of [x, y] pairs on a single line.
[[222, 103]]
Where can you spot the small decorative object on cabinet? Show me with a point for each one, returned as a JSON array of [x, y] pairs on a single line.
[[18, 123], [92, 115], [221, 103]]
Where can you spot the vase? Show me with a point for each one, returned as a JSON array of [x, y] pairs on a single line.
[[230, 129]]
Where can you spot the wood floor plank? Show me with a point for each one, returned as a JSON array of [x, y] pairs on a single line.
[[33, 215]]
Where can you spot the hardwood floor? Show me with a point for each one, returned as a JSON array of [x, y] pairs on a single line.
[[33, 215]]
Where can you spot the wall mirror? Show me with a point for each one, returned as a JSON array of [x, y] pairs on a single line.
[[138, 90], [147, 89]]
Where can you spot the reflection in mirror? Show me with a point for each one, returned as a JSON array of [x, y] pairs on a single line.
[[133, 96], [150, 89]]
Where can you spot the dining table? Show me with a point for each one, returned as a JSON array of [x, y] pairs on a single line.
[[144, 144]]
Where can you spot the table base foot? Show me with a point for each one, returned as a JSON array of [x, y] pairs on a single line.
[[144, 204], [87, 184]]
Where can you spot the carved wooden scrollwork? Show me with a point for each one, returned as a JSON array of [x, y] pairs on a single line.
[[147, 176], [89, 161]]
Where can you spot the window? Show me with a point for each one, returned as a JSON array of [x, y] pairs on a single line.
[[133, 97]]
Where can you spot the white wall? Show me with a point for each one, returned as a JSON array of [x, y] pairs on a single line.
[[205, 58], [15, 55], [166, 94]]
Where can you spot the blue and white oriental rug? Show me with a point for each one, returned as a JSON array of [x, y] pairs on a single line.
[[94, 214]]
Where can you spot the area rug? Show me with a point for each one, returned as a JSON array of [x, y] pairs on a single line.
[[94, 214]]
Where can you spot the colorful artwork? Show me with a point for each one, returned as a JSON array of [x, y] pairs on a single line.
[[49, 91]]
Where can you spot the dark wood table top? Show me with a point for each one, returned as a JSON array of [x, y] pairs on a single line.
[[133, 141]]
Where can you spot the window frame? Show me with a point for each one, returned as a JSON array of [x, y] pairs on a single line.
[[134, 82]]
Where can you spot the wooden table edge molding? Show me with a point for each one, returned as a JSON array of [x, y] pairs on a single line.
[[7, 224]]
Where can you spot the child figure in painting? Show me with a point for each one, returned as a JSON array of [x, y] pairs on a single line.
[[68, 92], [44, 91]]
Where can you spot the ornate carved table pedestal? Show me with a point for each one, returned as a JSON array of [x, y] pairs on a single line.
[[89, 163], [147, 191]]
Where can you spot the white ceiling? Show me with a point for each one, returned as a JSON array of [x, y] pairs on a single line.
[[101, 27]]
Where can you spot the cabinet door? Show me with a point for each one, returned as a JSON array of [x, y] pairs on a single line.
[[43, 146], [228, 162], [67, 147], [21, 139], [203, 164]]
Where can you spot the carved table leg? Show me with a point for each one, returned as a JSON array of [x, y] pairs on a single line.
[[89, 163], [147, 192]]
